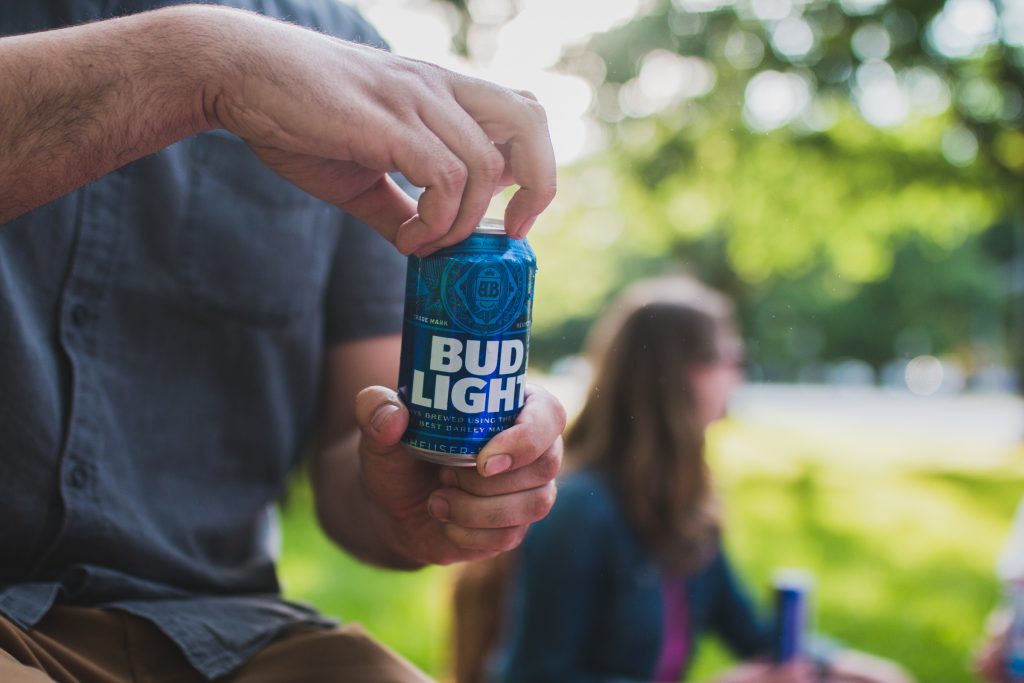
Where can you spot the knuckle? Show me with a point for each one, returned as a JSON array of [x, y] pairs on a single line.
[[543, 502], [549, 464], [547, 192], [540, 442], [433, 221], [452, 174], [498, 518], [492, 164], [536, 111], [436, 74], [416, 76], [561, 416]]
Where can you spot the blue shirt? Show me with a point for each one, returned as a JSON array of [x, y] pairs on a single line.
[[162, 340], [586, 604]]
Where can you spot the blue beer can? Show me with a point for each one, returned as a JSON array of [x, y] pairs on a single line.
[[791, 587], [466, 343], [1015, 636]]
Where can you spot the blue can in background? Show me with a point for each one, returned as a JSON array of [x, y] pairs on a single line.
[[465, 343], [792, 588], [1015, 635]]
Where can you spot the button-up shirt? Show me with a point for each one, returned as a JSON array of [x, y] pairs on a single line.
[[162, 340]]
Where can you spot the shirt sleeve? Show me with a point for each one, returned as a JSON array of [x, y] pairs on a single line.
[[330, 16], [733, 615], [366, 290]]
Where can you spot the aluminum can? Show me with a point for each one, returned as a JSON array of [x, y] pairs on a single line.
[[792, 588], [1015, 636], [466, 343]]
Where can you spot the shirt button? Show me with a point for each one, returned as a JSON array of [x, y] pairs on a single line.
[[78, 476], [79, 315]]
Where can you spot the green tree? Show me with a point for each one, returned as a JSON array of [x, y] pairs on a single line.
[[833, 164]]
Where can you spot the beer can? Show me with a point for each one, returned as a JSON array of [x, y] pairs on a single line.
[[466, 343], [792, 588], [1014, 653]]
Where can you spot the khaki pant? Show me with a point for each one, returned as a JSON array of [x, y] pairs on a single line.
[[86, 645]]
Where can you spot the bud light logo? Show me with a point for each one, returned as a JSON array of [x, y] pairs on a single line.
[[484, 297]]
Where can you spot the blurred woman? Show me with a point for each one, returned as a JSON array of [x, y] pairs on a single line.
[[628, 571]]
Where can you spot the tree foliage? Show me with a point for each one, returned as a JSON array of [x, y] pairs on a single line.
[[836, 165]]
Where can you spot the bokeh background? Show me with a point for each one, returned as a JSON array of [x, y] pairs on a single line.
[[850, 173]]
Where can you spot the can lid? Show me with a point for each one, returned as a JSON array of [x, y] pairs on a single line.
[[491, 226], [790, 578]]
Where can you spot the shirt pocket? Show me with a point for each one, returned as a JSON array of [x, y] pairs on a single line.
[[252, 246]]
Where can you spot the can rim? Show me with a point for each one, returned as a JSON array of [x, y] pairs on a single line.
[[792, 578], [491, 226]]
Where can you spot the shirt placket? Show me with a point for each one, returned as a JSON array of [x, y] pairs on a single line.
[[81, 310]]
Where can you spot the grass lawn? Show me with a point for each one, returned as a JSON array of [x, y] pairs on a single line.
[[902, 551]]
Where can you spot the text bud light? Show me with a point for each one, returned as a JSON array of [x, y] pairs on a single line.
[[465, 343]]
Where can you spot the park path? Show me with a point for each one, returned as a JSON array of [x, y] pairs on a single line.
[[898, 427]]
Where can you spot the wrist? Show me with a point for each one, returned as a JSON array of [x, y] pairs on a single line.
[[241, 62], [200, 38], [349, 513]]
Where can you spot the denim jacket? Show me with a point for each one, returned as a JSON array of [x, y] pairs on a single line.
[[586, 603]]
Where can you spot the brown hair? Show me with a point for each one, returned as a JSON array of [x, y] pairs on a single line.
[[639, 425], [478, 608]]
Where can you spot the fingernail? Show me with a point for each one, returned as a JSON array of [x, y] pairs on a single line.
[[438, 508], [382, 414], [448, 477], [497, 464]]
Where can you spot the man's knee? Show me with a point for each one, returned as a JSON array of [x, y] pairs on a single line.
[[318, 655]]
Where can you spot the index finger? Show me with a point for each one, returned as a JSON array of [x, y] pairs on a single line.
[[520, 125], [537, 427]]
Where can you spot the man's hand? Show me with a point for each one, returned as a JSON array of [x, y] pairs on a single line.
[[439, 515], [333, 117]]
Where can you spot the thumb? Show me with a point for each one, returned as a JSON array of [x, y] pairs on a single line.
[[382, 419]]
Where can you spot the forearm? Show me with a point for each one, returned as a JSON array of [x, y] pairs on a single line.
[[347, 514], [79, 102]]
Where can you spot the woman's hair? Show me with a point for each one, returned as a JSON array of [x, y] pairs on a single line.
[[640, 426]]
